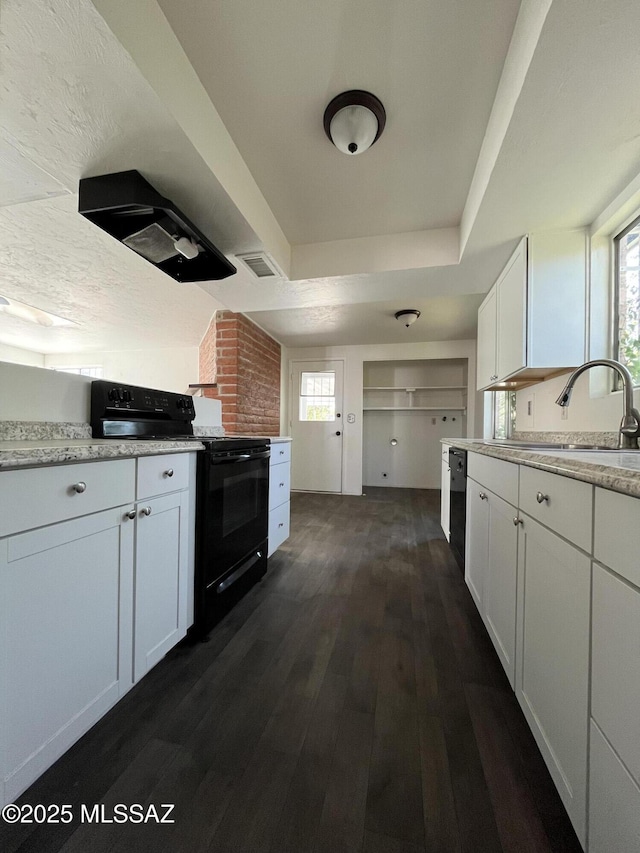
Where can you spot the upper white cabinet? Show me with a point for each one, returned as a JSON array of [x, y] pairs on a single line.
[[532, 323]]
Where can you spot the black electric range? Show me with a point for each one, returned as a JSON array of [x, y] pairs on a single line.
[[232, 490]]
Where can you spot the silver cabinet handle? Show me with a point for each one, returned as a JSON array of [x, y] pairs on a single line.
[[146, 510], [131, 514], [281, 485], [517, 521], [168, 472], [281, 524], [482, 495], [541, 498], [79, 488], [282, 453]]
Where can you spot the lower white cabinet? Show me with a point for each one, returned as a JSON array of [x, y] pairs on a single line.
[[66, 594], [87, 604], [161, 578], [491, 567], [445, 491], [279, 494], [552, 668], [614, 800]]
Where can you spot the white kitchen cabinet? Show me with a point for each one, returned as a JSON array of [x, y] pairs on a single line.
[[487, 364], [614, 800], [161, 577], [532, 323], [552, 661], [66, 593], [445, 491], [85, 602], [279, 494], [491, 567]]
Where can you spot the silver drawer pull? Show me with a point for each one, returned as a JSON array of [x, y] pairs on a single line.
[[131, 514], [146, 510], [168, 472], [541, 498], [281, 485], [79, 488], [517, 521], [281, 524], [482, 495], [282, 453]]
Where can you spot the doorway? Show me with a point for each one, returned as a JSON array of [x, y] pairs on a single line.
[[315, 417]]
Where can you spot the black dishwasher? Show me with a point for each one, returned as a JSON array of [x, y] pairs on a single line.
[[458, 502]]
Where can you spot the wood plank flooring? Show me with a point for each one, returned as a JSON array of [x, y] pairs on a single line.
[[351, 702]]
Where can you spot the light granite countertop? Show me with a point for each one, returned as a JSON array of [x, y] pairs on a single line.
[[30, 454], [617, 470]]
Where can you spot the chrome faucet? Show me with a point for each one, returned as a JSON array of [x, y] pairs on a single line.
[[630, 423]]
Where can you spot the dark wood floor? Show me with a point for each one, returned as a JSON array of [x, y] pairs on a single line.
[[351, 702]]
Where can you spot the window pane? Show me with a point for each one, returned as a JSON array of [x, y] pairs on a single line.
[[317, 384], [628, 299], [93, 372], [504, 414], [317, 408]]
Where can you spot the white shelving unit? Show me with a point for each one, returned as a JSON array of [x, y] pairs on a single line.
[[408, 406]]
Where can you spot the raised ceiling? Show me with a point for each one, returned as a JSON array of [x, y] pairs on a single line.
[[271, 71], [503, 117]]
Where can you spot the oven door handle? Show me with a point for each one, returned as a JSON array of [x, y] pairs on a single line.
[[265, 454]]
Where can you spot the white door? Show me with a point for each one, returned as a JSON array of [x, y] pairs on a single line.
[[316, 425]]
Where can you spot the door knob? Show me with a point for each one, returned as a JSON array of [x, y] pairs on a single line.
[[338, 433]]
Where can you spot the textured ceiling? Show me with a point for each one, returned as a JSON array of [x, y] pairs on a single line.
[[271, 70]]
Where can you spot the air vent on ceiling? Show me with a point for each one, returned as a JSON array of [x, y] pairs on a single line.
[[261, 265]]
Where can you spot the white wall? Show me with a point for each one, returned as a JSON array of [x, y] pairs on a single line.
[[172, 369], [35, 394], [354, 358], [16, 355]]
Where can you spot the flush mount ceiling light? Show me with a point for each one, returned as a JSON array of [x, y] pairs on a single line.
[[354, 120], [33, 315], [407, 316]]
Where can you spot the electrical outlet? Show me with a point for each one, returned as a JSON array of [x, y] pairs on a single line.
[[384, 475]]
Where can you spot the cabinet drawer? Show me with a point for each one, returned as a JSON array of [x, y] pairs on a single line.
[[616, 541], [615, 665], [498, 476], [614, 801], [278, 526], [562, 504], [445, 452], [279, 484], [158, 475], [47, 495], [280, 452]]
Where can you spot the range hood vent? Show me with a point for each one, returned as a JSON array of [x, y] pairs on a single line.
[[126, 206], [261, 265]]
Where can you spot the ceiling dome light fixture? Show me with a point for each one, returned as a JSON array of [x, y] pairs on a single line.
[[354, 120], [407, 316]]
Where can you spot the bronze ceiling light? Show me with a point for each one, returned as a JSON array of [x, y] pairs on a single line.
[[354, 120]]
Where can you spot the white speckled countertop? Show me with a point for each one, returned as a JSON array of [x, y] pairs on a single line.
[[27, 444], [617, 470], [29, 454]]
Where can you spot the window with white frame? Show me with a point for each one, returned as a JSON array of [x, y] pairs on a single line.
[[504, 413], [627, 299], [317, 396]]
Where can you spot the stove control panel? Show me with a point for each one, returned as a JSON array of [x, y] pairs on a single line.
[[115, 402]]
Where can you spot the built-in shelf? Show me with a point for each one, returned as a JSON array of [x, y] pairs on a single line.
[[409, 388], [415, 409]]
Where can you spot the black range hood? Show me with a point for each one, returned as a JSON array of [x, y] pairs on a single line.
[[126, 206]]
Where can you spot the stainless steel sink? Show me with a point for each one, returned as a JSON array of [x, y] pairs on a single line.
[[547, 445]]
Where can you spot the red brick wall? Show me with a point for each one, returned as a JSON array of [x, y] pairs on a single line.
[[245, 362]]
